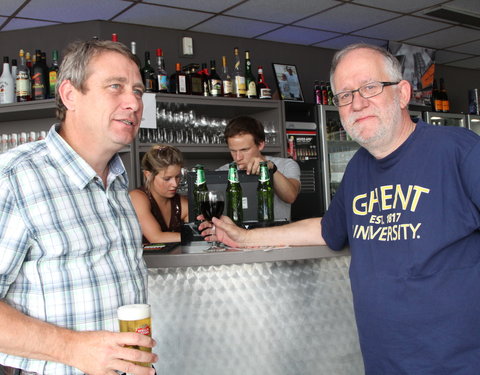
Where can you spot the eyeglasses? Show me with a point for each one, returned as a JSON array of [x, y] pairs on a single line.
[[366, 91]]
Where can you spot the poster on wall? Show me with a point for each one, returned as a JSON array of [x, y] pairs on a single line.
[[418, 67]]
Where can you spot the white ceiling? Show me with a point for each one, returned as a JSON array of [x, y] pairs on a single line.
[[322, 23]]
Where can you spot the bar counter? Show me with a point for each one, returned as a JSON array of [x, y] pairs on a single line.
[[283, 311]]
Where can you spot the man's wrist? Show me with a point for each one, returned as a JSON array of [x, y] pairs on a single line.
[[274, 167]]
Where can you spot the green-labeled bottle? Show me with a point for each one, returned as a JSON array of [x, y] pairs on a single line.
[[265, 195], [234, 195], [200, 185]]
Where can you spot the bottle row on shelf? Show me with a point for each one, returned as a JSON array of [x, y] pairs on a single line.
[[9, 141], [28, 79]]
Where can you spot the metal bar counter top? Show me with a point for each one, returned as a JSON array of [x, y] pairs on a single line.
[[284, 311], [194, 255]]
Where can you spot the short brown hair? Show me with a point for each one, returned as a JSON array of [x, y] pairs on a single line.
[[160, 157], [245, 125], [75, 64]]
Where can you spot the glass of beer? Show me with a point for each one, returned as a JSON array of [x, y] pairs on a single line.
[[136, 318]]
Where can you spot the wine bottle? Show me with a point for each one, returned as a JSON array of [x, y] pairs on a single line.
[[43, 59], [162, 75], [195, 80], [114, 37], [133, 49], [148, 75], [23, 83], [239, 87], [14, 76], [249, 78], [7, 91], [53, 73], [226, 79], [263, 91], [205, 80], [215, 82], [39, 78]]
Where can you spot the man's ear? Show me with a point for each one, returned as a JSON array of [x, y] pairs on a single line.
[[405, 93], [67, 93], [261, 145]]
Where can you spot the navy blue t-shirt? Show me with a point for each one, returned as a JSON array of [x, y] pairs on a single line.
[[412, 223]]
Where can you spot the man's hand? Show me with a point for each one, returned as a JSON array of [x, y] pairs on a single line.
[[223, 230], [253, 166], [103, 352]]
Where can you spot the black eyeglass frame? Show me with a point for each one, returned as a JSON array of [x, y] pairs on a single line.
[[383, 84]]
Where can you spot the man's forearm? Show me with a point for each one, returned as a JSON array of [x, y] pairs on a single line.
[[286, 189]]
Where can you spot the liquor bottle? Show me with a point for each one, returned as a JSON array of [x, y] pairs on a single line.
[[264, 195], [162, 76], [200, 185], [7, 91], [178, 81], [14, 76], [148, 75], [215, 82], [43, 59], [53, 73], [114, 37], [239, 87], [444, 97], [39, 78], [317, 92], [194, 80], [234, 195], [249, 78], [226, 79], [133, 49], [29, 64], [205, 80], [329, 94], [23, 84], [263, 91], [323, 87]]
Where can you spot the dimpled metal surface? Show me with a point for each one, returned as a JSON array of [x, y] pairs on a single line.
[[273, 318]]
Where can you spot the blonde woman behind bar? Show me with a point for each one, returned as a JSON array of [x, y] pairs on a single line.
[[160, 209]]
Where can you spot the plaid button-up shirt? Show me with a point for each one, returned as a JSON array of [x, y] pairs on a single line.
[[70, 249]]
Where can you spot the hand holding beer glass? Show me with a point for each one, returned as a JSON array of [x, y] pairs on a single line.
[[136, 318]]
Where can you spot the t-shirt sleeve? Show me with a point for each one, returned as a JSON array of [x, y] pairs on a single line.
[[291, 169], [334, 229]]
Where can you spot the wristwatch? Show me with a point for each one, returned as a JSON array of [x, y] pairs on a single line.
[[274, 168]]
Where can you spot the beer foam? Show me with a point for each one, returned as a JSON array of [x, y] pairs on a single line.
[[133, 312]]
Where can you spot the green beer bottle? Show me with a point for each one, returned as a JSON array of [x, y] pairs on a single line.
[[234, 195], [200, 185], [265, 195]]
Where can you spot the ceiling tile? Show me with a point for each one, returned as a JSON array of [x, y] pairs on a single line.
[[215, 6], [401, 28], [343, 41], [358, 17], [226, 25], [446, 38], [404, 6], [442, 57], [298, 35], [10, 6], [20, 23], [472, 47], [284, 11], [468, 6], [473, 63], [153, 15], [73, 10]]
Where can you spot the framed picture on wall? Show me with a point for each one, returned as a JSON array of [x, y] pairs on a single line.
[[288, 82]]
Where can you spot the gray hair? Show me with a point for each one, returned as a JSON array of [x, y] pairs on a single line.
[[392, 65], [75, 65]]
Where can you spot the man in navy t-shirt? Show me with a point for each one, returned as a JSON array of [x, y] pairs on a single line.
[[409, 209]]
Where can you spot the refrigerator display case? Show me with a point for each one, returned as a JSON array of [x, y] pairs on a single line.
[[337, 149], [473, 123], [445, 119], [303, 145]]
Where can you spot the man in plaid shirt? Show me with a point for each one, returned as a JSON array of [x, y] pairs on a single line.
[[70, 243]]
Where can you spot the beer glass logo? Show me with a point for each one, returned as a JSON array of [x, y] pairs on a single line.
[[144, 330]]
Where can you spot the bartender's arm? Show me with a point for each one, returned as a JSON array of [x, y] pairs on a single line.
[[93, 352]]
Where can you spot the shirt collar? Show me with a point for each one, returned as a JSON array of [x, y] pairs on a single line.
[[76, 168]]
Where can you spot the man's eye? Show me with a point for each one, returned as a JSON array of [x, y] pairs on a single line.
[[115, 86], [345, 95], [138, 92]]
